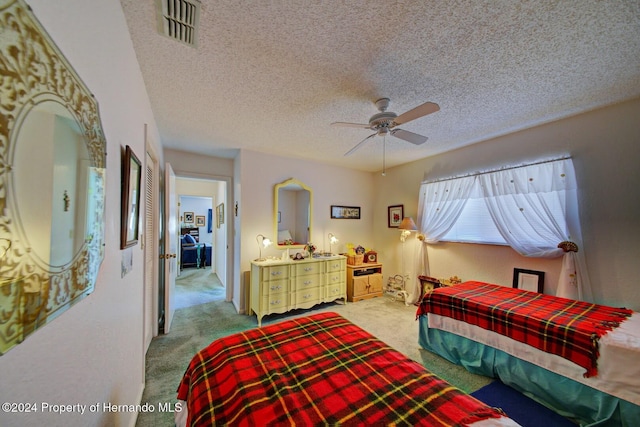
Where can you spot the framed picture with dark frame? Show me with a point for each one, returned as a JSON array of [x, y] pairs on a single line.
[[200, 221], [395, 214], [528, 280], [345, 212], [130, 204]]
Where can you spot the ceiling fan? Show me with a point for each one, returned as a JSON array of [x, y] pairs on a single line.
[[384, 123]]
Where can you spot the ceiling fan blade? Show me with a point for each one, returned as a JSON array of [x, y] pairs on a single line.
[[419, 111], [411, 137], [351, 125], [359, 144]]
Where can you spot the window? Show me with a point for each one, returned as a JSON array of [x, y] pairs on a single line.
[[474, 225], [534, 207], [523, 207]]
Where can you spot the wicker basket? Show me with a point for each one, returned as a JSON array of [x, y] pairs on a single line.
[[355, 259]]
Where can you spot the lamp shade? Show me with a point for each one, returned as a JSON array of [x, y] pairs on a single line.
[[408, 224], [262, 242]]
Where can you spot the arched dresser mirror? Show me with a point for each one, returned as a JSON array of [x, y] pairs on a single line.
[[293, 205], [52, 176]]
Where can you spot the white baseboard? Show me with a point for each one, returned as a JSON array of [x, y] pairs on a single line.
[[134, 419]]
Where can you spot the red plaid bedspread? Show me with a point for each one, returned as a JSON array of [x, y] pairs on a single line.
[[560, 326], [321, 369]]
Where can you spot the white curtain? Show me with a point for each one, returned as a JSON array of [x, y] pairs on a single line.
[[534, 207], [439, 206]]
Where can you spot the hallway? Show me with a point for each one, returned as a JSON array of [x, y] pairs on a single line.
[[197, 286]]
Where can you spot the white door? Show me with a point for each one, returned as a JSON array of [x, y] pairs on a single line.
[[150, 251], [170, 245]]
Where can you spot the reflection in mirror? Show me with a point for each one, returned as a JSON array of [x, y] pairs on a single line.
[[293, 202], [52, 174], [50, 150]]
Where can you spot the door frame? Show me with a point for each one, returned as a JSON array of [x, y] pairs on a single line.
[[170, 245], [229, 251]]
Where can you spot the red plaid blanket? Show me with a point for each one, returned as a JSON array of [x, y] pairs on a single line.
[[560, 326], [318, 370]]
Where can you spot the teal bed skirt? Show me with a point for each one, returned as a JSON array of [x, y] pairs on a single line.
[[565, 396]]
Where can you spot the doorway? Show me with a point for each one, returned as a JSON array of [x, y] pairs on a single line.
[[201, 214], [219, 189]]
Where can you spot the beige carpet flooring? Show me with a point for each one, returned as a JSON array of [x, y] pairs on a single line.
[[202, 315]]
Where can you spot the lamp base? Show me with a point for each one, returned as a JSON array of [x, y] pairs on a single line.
[[260, 259]]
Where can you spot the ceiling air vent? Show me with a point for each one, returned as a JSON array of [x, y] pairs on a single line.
[[178, 19]]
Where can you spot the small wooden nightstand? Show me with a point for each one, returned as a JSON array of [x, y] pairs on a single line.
[[364, 281]]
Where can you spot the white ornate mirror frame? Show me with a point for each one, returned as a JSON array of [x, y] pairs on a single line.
[[49, 256]]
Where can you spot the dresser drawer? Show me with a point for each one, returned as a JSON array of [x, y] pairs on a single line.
[[336, 277], [274, 287], [274, 303], [336, 265], [306, 296], [335, 291], [275, 272], [306, 282], [307, 268]]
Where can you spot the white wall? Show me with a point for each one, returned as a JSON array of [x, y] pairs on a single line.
[[604, 147], [199, 206], [260, 172], [93, 352]]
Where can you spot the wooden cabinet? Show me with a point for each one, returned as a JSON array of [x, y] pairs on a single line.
[[364, 281], [280, 286]]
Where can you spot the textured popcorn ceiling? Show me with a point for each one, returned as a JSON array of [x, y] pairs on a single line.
[[272, 75]]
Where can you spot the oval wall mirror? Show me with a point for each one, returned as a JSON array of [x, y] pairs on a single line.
[[52, 175], [293, 205]]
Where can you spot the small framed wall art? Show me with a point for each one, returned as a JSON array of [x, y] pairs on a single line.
[[395, 214], [219, 215], [345, 212], [529, 280], [199, 220], [130, 214], [189, 217]]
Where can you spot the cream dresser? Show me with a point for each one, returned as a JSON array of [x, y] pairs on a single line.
[[279, 286]]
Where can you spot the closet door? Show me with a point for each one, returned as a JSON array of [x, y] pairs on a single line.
[[150, 251]]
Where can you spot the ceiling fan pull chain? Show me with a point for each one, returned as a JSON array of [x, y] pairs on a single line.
[[384, 149]]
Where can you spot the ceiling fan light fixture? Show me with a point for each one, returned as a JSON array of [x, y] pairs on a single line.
[[384, 123]]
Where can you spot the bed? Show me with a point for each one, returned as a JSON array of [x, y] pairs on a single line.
[[577, 358], [193, 253], [319, 369], [285, 238]]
